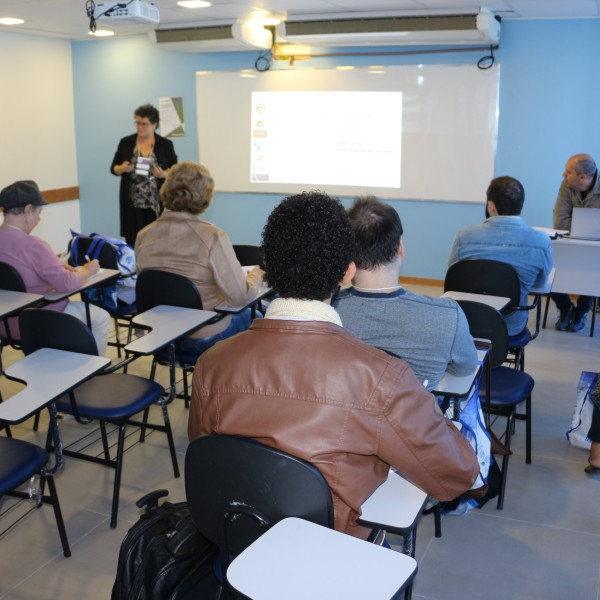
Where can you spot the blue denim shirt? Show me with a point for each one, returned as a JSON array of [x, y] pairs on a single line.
[[508, 239]]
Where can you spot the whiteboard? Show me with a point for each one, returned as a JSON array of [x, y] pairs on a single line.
[[446, 142]]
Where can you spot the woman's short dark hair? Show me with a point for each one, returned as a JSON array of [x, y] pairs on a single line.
[[308, 245], [147, 111], [377, 232], [188, 188]]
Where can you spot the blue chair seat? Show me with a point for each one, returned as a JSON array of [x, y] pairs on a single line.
[[103, 397], [520, 340], [19, 460], [508, 387], [183, 358], [123, 310]]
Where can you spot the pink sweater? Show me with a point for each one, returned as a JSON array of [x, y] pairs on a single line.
[[40, 268]]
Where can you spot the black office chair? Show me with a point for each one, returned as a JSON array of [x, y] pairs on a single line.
[[237, 488], [11, 280], [153, 288], [109, 398], [19, 461], [248, 255], [123, 312], [496, 278], [506, 388]]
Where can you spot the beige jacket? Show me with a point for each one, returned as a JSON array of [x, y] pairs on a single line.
[[182, 243], [311, 389]]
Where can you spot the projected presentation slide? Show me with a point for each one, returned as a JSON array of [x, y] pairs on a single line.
[[414, 132], [326, 138]]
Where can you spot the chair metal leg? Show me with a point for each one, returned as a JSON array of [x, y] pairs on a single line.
[[53, 499], [546, 311], [118, 471], [528, 429], [170, 439], [144, 421], [117, 338], [147, 411], [104, 437], [437, 520], [505, 459]]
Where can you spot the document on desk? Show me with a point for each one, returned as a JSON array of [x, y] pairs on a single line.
[[248, 268]]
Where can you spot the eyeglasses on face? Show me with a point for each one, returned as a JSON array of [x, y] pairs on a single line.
[[142, 123]]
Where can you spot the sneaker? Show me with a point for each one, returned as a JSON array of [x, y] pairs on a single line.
[[578, 321], [564, 320]]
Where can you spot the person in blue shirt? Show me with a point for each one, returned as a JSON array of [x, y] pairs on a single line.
[[504, 236]]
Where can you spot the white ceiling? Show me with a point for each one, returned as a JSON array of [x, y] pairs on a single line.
[[67, 18]]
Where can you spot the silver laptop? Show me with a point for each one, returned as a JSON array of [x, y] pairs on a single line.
[[585, 224]]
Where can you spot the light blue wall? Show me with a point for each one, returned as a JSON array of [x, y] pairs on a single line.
[[549, 92]]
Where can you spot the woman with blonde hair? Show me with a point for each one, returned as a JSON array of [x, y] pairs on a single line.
[[180, 242]]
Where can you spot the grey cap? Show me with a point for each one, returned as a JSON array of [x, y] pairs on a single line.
[[21, 193]]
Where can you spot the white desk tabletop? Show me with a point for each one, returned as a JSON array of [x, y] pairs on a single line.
[[11, 302], [576, 241], [455, 385], [262, 292], [167, 324], [576, 263], [48, 374], [497, 302], [103, 276], [298, 560], [394, 506], [550, 232]]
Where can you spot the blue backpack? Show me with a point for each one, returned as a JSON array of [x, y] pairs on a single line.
[[92, 247]]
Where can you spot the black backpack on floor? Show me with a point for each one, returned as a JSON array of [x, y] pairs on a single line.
[[164, 556]]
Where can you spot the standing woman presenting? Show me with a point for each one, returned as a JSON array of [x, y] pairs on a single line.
[[142, 160]]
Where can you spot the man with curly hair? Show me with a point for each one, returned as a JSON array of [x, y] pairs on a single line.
[[298, 381]]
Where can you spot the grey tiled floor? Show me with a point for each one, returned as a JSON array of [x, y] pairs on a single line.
[[544, 544]]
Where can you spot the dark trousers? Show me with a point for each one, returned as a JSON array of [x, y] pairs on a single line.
[[594, 433], [563, 302]]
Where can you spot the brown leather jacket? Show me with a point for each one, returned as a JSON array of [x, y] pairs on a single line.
[[311, 389]]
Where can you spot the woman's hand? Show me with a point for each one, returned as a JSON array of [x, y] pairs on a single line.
[[159, 172], [125, 167], [90, 268]]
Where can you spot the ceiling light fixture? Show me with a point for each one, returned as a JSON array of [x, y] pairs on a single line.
[[11, 21], [194, 4], [101, 33]]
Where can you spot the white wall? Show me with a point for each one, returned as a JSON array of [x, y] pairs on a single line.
[[38, 125]]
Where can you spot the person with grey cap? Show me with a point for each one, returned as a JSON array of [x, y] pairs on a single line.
[[41, 270]]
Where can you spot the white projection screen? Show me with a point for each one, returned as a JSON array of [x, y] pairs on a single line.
[[398, 132]]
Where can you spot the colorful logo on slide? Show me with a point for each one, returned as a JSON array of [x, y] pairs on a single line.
[[260, 108]]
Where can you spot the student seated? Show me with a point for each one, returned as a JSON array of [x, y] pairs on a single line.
[[41, 270], [430, 334], [504, 236], [182, 243], [298, 381]]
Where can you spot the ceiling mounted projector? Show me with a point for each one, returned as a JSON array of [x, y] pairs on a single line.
[[135, 11]]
